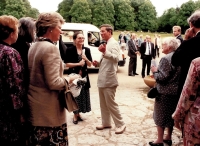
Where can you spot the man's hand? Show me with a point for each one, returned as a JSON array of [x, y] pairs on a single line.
[[189, 33], [154, 69], [102, 48], [95, 63]]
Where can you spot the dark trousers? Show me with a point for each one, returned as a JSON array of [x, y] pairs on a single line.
[[146, 62], [157, 51], [132, 65]]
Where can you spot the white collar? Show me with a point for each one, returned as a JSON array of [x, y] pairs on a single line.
[[197, 32]]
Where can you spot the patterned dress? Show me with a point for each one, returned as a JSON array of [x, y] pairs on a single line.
[[11, 94], [167, 84], [188, 108]]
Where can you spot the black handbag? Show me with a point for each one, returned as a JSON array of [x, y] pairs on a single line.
[[67, 99], [152, 93]]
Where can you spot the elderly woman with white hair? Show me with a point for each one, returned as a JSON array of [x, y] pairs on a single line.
[[166, 77]]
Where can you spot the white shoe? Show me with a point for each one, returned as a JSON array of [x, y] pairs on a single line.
[[101, 127], [120, 130]]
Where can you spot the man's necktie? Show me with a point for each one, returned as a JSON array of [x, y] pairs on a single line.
[[149, 48]]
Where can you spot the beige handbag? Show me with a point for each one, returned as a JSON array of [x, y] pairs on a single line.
[[67, 100]]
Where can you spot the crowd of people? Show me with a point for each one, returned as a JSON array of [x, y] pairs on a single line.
[[177, 79], [31, 78]]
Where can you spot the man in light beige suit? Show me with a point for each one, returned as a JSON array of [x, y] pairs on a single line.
[[108, 82]]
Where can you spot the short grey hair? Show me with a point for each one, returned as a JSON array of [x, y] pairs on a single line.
[[195, 19], [108, 28], [171, 42]]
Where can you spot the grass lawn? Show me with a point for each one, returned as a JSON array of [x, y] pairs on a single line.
[[116, 34]]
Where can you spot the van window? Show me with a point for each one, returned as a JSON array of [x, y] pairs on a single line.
[[67, 35], [93, 38]]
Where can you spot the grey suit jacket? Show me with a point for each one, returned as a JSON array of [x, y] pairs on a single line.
[[108, 68], [132, 48], [46, 72]]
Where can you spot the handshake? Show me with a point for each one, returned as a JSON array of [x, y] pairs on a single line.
[[95, 63]]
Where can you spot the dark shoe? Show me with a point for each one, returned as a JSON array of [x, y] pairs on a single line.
[[75, 122], [135, 73], [79, 119], [143, 76], [131, 75], [169, 142], [156, 144]]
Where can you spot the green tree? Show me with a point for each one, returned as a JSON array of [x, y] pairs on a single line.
[[15, 8], [27, 6], [91, 4], [168, 20], [185, 11], [124, 15], [29, 11], [110, 12], [99, 15], [64, 7], [136, 4], [147, 20], [197, 4], [2, 6], [33, 12], [80, 12]]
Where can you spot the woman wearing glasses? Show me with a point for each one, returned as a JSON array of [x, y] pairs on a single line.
[[77, 59]]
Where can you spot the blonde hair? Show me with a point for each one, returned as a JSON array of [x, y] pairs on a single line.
[[178, 28], [47, 20], [8, 24]]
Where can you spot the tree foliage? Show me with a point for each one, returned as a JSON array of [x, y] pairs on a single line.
[[168, 20], [64, 7], [136, 4], [110, 12], [147, 20], [124, 15], [2, 6], [33, 12], [99, 13], [80, 12], [17, 8], [185, 11], [177, 16]]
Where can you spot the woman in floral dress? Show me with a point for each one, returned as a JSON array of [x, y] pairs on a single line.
[[11, 84], [187, 113]]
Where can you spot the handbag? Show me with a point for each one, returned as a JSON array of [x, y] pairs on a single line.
[[152, 93], [76, 86], [67, 99]]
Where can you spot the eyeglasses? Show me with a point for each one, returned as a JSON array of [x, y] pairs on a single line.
[[81, 38]]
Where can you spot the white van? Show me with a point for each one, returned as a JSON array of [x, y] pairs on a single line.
[[92, 39]]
